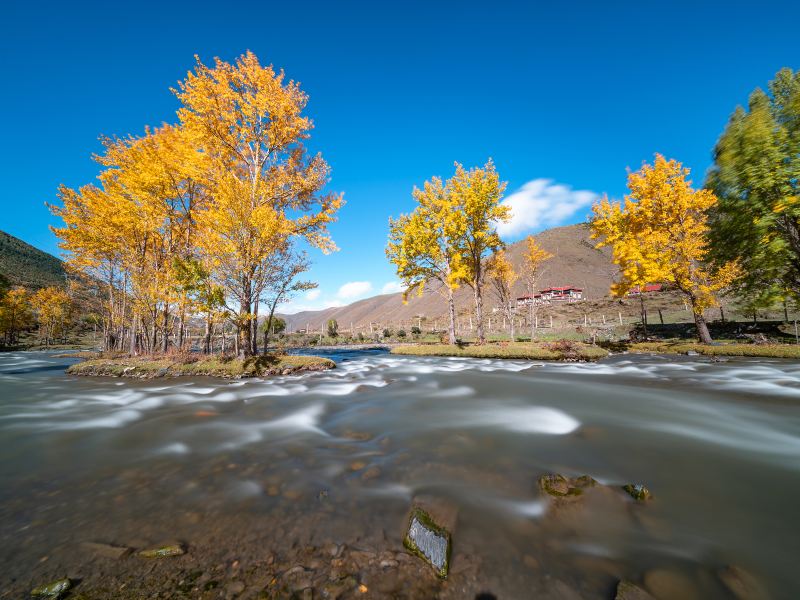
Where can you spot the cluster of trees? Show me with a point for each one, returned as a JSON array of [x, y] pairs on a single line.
[[448, 236], [51, 309], [450, 239], [741, 232], [203, 217]]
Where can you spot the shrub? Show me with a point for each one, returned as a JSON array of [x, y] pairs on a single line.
[[416, 330], [387, 333], [401, 333]]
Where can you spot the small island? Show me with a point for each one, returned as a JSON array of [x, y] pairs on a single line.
[[561, 350], [149, 367]]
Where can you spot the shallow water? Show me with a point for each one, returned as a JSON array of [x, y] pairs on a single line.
[[240, 469]]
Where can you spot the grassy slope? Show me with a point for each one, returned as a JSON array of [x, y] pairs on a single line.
[[148, 367], [22, 264], [523, 350]]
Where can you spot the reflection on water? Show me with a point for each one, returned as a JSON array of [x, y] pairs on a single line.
[[245, 469]]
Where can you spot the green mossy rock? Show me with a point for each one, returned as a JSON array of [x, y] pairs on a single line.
[[638, 492], [54, 589], [164, 551]]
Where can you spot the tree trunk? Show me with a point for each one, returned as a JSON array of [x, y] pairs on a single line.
[[644, 311], [254, 328], [511, 319], [702, 328], [451, 309], [165, 325], [132, 347], [479, 312], [207, 336]]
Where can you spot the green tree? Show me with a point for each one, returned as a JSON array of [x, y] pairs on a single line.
[[756, 176], [333, 328]]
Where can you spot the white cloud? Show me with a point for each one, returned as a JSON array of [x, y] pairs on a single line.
[[542, 203], [393, 287], [313, 294], [354, 289]]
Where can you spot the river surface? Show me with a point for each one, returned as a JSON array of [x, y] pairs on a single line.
[[301, 481]]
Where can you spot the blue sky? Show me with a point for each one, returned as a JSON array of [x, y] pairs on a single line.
[[563, 96]]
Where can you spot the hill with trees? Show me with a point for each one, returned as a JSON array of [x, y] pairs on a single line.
[[22, 264]]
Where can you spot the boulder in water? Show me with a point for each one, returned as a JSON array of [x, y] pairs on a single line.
[[428, 535], [638, 492], [54, 589], [558, 486]]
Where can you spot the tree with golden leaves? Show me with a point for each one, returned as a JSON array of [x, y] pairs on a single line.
[[128, 230], [502, 278], [424, 246], [53, 307], [660, 234], [532, 269], [15, 314], [476, 194], [263, 187]]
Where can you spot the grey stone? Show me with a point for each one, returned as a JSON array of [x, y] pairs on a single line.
[[428, 536]]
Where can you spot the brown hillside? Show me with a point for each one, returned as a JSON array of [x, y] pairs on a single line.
[[576, 262]]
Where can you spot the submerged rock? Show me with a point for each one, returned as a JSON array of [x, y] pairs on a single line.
[[428, 536], [54, 589], [666, 584], [558, 486], [742, 584], [638, 492], [630, 591], [164, 551], [107, 550]]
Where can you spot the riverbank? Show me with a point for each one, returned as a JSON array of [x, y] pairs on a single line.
[[559, 351], [722, 349], [210, 366]]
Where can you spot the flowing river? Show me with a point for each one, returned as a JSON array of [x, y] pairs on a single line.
[[277, 486]]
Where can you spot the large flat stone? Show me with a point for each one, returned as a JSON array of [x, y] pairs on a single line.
[[428, 534]]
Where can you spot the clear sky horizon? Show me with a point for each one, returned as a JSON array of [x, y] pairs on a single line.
[[563, 99]]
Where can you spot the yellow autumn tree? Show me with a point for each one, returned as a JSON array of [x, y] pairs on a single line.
[[15, 314], [533, 260], [502, 278], [660, 234], [53, 307], [128, 230], [263, 186], [476, 194], [424, 246]]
